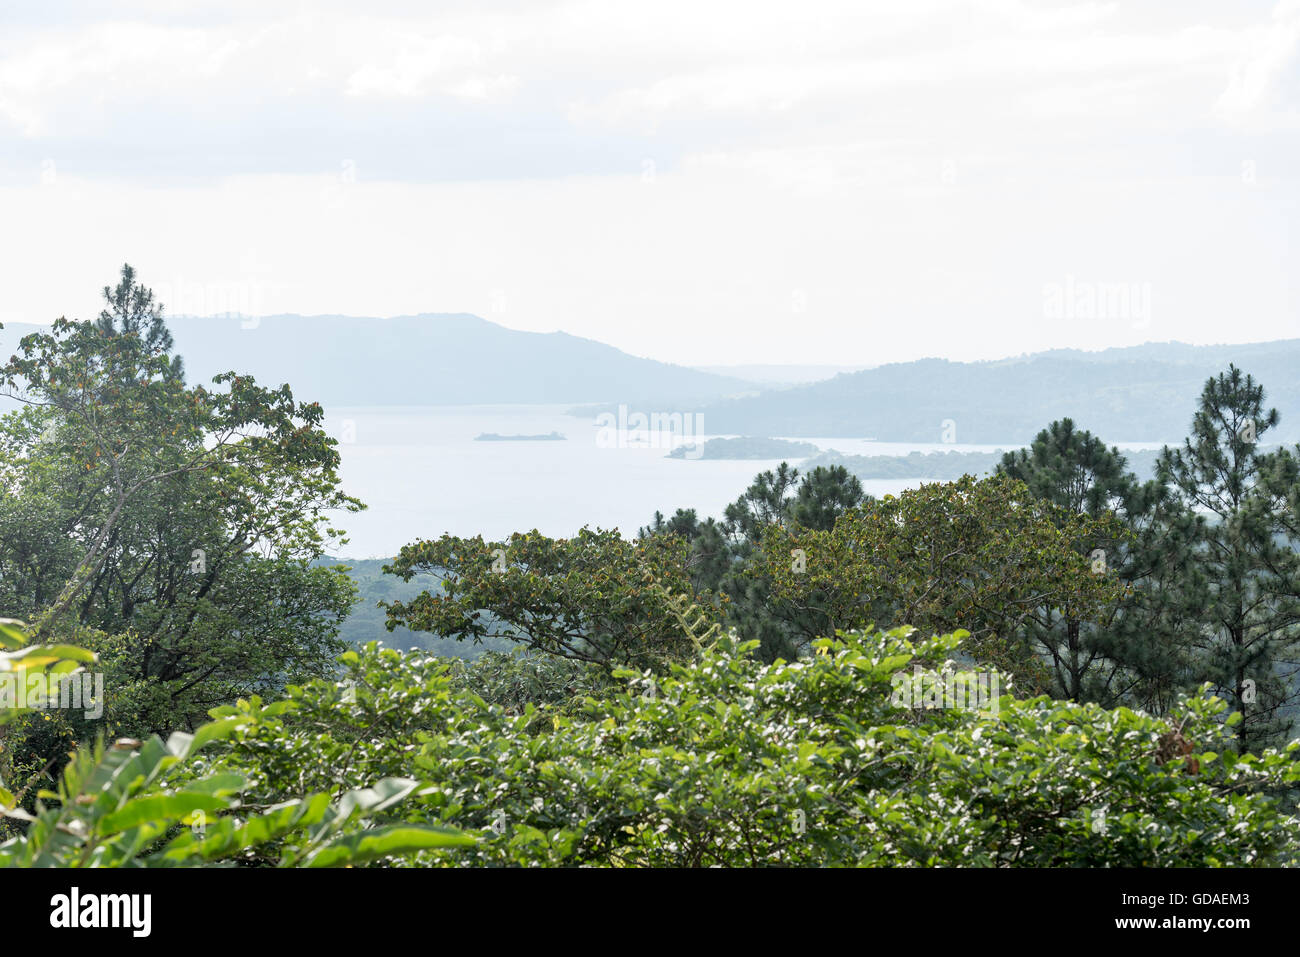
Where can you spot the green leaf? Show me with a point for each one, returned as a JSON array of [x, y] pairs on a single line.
[[385, 842], [162, 807]]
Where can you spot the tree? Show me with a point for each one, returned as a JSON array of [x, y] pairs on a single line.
[[684, 523], [1079, 475], [722, 558], [595, 597], [1232, 548], [766, 502], [162, 514], [824, 495], [985, 556], [1073, 470], [775, 500], [133, 311], [264, 623]]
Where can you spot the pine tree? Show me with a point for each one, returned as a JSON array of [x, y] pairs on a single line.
[[1229, 557], [1075, 471], [765, 502], [825, 494], [133, 310]]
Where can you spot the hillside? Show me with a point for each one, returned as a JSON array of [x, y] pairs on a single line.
[[1146, 393], [429, 359], [366, 622]]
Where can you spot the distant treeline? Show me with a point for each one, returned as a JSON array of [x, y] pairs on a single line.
[[366, 622], [949, 466], [936, 466]]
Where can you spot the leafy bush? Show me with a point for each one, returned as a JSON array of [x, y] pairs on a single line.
[[133, 804], [729, 761], [518, 678], [19, 661]]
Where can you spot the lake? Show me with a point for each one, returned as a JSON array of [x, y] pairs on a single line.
[[421, 473]]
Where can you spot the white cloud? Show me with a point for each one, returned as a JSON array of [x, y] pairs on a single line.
[[111, 66], [1256, 84], [624, 61], [104, 64], [410, 66]]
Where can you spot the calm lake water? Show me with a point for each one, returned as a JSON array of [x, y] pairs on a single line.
[[421, 473]]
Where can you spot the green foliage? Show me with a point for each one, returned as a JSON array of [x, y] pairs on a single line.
[[19, 661], [367, 619], [20, 658], [584, 598], [766, 502], [126, 805], [981, 555], [180, 521], [1073, 470], [825, 493], [263, 623], [1230, 551], [731, 761], [723, 554], [115, 808], [1110, 657], [522, 679]]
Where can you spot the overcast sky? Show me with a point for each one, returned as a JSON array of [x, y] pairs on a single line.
[[700, 182]]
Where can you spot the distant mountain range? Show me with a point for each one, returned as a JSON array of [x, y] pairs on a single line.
[[1142, 393], [1139, 394], [429, 359]]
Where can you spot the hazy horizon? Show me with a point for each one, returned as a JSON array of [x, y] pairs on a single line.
[[716, 368]]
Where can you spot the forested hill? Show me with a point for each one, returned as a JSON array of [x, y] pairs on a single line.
[[1135, 394], [429, 359], [366, 621]]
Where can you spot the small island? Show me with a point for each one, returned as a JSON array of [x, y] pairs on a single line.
[[493, 437]]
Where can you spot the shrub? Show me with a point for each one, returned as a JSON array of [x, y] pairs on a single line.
[[729, 761]]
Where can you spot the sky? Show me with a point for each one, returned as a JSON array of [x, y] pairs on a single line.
[[840, 182]]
